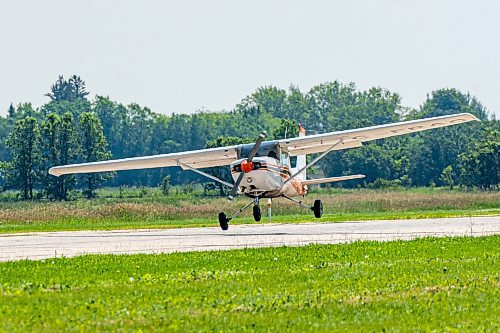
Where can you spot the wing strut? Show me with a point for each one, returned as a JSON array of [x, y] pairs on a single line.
[[313, 161], [204, 174]]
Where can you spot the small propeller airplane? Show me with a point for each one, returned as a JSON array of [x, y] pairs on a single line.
[[263, 169]]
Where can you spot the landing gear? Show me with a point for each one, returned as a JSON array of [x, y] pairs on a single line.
[[257, 215], [317, 208], [256, 210], [223, 221]]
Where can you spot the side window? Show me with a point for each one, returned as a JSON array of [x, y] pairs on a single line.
[[293, 161], [284, 159]]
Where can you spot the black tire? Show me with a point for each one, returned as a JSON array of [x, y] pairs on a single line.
[[257, 215], [223, 221], [317, 208]]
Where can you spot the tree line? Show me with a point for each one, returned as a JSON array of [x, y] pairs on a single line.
[[72, 128]]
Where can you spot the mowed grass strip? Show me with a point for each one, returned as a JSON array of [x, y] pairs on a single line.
[[187, 210], [432, 284]]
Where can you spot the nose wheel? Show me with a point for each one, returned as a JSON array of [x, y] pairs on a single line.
[[223, 221], [257, 215]]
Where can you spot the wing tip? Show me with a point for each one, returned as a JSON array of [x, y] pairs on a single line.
[[53, 171], [470, 116]]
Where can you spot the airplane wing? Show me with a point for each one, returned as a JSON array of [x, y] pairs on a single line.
[[212, 157], [195, 159], [330, 179], [355, 137]]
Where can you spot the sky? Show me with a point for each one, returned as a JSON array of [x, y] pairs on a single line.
[[184, 56]]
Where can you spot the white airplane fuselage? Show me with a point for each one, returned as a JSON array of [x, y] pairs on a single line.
[[267, 178]]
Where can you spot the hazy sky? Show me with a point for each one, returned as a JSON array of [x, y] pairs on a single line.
[[181, 56]]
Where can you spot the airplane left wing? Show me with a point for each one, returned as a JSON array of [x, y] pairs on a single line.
[[355, 137], [195, 159]]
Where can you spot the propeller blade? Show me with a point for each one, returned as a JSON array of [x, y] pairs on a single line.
[[236, 186], [252, 154], [256, 146]]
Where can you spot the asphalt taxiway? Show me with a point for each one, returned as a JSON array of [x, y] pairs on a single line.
[[73, 243]]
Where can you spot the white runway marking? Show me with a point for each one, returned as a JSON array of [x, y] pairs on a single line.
[[74, 243]]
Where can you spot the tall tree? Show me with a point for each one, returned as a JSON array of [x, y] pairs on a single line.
[[68, 90], [60, 147], [50, 152], [93, 148], [11, 112], [24, 142]]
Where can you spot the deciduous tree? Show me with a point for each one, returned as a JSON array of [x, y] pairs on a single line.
[[93, 148], [24, 142]]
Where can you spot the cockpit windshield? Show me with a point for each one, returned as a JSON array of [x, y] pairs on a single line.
[[270, 149]]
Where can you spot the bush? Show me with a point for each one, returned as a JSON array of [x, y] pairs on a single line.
[[165, 185]]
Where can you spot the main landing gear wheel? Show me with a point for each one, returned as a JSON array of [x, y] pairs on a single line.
[[223, 221], [257, 215], [317, 208]]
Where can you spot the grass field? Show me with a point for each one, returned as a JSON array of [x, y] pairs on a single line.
[[154, 210], [445, 284]]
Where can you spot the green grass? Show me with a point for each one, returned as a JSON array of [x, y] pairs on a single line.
[[154, 210], [445, 284]]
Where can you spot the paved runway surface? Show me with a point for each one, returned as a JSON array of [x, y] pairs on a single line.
[[68, 244]]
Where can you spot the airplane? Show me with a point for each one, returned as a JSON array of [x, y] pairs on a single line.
[[264, 169]]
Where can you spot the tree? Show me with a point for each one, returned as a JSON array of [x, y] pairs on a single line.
[[50, 152], [60, 147], [24, 142], [431, 152], [288, 129], [165, 185], [448, 176], [480, 164], [93, 148], [68, 90], [11, 112]]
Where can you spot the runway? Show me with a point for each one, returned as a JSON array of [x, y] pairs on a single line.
[[68, 244]]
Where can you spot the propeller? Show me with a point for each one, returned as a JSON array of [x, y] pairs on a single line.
[[247, 165]]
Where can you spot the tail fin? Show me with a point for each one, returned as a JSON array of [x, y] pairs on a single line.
[[301, 159]]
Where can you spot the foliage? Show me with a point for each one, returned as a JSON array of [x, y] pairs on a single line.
[[448, 177], [431, 284], [59, 147], [165, 185], [68, 90], [133, 130], [94, 148], [288, 129], [480, 164], [24, 142]]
